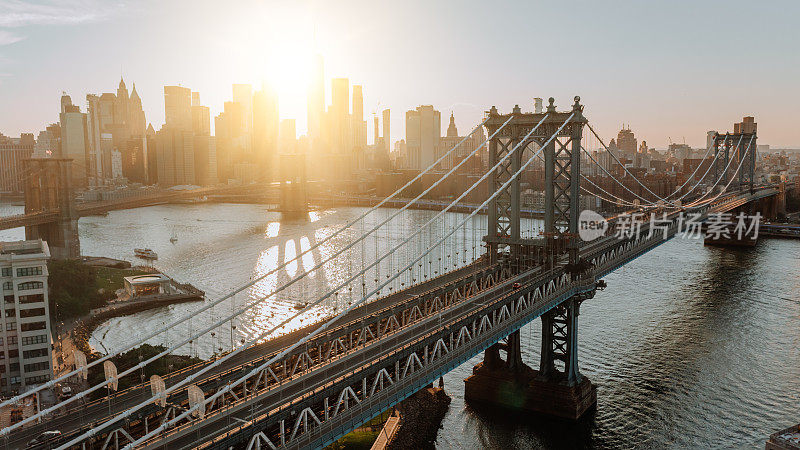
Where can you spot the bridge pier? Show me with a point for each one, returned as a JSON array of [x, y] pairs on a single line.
[[294, 195], [556, 390], [48, 188]]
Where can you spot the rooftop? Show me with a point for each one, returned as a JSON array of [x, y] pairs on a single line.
[[25, 248]]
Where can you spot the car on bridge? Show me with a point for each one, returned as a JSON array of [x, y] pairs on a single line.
[[41, 440]]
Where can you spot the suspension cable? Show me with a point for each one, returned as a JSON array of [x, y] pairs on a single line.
[[741, 162], [625, 168]]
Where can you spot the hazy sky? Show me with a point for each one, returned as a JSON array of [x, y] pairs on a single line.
[[669, 68]]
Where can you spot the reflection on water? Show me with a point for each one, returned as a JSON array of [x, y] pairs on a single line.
[[689, 346]]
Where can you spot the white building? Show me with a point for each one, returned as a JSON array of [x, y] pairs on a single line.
[[25, 340]]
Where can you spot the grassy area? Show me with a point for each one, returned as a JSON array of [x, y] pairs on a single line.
[[357, 440], [364, 436], [76, 288], [110, 279]]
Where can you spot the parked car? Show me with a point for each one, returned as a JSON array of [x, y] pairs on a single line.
[[65, 392]]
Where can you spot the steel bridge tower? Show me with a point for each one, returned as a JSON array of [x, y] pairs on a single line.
[[741, 147], [518, 250]]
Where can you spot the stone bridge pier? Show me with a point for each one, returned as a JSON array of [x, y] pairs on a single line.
[[294, 186], [48, 191], [556, 390]]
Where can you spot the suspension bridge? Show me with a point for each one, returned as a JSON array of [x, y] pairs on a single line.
[[416, 304]]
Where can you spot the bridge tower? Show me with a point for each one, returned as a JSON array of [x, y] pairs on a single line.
[[48, 190], [557, 388], [740, 146], [294, 187]]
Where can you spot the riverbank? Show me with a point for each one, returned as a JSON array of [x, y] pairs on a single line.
[[109, 276], [420, 419], [413, 423]]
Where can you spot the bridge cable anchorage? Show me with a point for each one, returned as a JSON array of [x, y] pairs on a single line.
[[257, 301], [741, 162], [206, 307], [325, 326], [626, 169]]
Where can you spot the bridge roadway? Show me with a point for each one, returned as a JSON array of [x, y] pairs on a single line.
[[71, 421], [95, 208], [241, 420]]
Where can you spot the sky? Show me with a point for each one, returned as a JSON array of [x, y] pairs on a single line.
[[670, 69]]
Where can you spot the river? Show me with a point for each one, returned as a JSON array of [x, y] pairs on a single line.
[[690, 346]]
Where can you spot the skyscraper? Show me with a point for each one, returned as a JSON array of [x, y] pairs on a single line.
[[74, 140], [265, 132], [387, 134], [176, 162], [626, 142], [357, 121], [201, 117], [340, 88], [243, 95], [204, 145], [178, 107], [423, 130]]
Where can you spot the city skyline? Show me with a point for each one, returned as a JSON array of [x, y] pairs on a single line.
[[639, 76]]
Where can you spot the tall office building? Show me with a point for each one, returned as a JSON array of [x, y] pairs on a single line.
[[231, 140], [175, 156], [359, 131], [423, 130], [205, 159], [376, 132], [340, 102], [201, 117], [204, 145], [178, 107], [243, 95], [626, 142], [137, 124], [265, 132], [316, 98], [387, 134], [12, 152], [75, 141], [26, 357]]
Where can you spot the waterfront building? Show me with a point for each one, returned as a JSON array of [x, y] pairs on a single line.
[[26, 357]]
